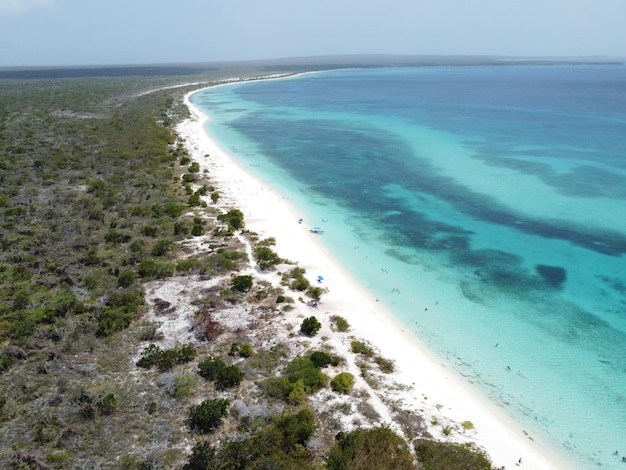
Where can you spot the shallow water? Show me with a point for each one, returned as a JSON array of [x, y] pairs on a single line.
[[485, 206]]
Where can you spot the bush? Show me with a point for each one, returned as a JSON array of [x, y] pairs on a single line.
[[202, 457], [341, 323], [321, 359], [310, 326], [165, 360], [302, 368], [433, 455], [386, 365], [359, 347], [242, 283], [342, 383], [234, 219], [126, 279], [245, 350], [208, 415], [266, 257], [370, 449], [280, 445], [216, 370], [162, 247], [112, 320]]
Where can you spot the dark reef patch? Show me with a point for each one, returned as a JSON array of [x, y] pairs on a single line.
[[554, 276]]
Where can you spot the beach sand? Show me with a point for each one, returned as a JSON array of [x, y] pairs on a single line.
[[420, 382]]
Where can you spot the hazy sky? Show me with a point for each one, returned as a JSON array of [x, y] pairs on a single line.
[[93, 32]]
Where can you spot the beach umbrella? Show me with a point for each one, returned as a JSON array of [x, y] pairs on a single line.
[[320, 278]]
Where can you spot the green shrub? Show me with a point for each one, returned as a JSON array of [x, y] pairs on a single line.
[[126, 279], [359, 347], [202, 457], [113, 319], [216, 370], [167, 359], [279, 445], [342, 383], [208, 415], [266, 257], [302, 368], [107, 404], [245, 350], [370, 449], [242, 283], [162, 247], [321, 359], [386, 365], [433, 455], [234, 218], [341, 323], [310, 326]]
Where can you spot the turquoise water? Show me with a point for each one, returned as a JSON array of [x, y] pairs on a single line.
[[484, 206]]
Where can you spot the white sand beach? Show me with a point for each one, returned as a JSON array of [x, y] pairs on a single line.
[[420, 382]]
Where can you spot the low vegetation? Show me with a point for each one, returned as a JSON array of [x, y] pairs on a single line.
[[99, 203]]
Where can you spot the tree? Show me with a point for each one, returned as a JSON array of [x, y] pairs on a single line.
[[208, 415], [310, 326]]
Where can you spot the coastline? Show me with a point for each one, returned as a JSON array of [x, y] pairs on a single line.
[[430, 389]]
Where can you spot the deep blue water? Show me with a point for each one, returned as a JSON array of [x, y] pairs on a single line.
[[485, 206]]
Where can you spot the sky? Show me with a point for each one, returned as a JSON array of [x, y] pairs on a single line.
[[110, 32]]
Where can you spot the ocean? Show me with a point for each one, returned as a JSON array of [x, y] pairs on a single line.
[[485, 206]]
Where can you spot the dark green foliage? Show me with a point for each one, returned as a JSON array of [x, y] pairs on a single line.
[[234, 219], [295, 279], [198, 229], [433, 455], [342, 383], [245, 350], [359, 347], [280, 445], [166, 359], [162, 247], [208, 415], [107, 404], [321, 359], [202, 457], [126, 279], [242, 283], [370, 449], [302, 368], [189, 178], [216, 370], [310, 326], [156, 269], [266, 258], [111, 320]]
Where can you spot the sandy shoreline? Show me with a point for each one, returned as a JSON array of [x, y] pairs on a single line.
[[430, 389]]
